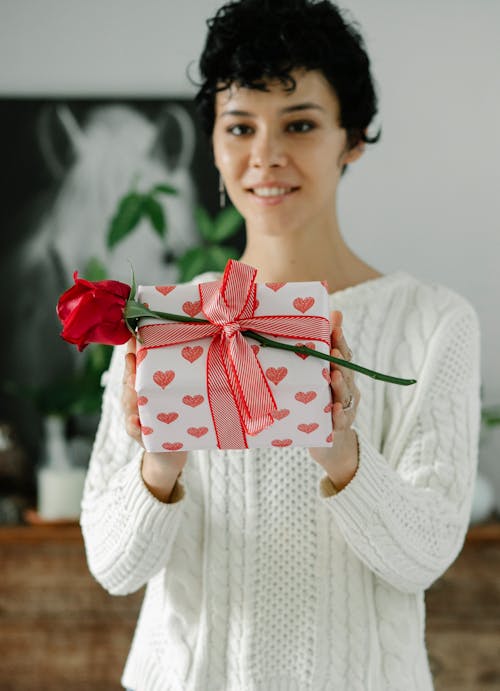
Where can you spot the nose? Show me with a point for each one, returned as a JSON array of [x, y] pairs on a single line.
[[267, 151]]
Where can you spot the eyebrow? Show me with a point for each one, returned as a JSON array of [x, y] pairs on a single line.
[[288, 109]]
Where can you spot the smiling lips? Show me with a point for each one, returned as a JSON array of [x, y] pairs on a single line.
[[271, 193]]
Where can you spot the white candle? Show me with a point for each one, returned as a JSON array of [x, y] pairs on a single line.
[[60, 492]]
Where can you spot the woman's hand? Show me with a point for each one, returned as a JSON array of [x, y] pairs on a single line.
[[159, 470], [340, 461], [129, 395]]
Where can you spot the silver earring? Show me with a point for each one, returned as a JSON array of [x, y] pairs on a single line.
[[222, 193]]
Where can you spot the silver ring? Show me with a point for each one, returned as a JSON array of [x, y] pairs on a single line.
[[350, 403]]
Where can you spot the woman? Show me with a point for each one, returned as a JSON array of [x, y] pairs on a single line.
[[296, 569]]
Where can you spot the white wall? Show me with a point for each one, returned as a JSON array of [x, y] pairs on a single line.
[[425, 198]]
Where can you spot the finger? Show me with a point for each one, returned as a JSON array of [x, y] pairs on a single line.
[[133, 427], [130, 358], [335, 319], [127, 366], [341, 391], [340, 342], [129, 395], [343, 418], [347, 374], [339, 418], [129, 372], [129, 400]]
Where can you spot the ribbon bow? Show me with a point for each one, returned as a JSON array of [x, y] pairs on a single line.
[[239, 396]]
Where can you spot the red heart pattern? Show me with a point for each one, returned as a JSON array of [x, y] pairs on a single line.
[[303, 304], [192, 308], [192, 354], [310, 345], [305, 396], [308, 428], [167, 418], [164, 290], [140, 355], [280, 414], [193, 401], [172, 446], [281, 442], [276, 374], [275, 286], [163, 379], [197, 431]]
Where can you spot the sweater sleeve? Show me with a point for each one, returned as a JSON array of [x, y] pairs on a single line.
[[405, 514], [128, 533]]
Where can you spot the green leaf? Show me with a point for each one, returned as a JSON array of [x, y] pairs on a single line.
[[491, 415], [133, 287], [217, 256], [127, 216], [98, 357], [226, 224], [165, 189], [154, 211], [192, 263], [205, 224], [95, 270], [67, 396]]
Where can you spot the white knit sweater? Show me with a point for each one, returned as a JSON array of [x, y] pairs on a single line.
[[260, 577]]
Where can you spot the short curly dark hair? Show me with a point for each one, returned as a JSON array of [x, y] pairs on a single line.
[[250, 42]]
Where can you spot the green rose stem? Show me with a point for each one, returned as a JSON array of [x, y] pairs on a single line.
[[134, 310], [345, 363]]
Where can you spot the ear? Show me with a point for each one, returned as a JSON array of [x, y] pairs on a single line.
[[353, 154]]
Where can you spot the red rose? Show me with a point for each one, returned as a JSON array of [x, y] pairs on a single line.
[[92, 312]]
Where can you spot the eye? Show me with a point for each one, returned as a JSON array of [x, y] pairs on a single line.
[[239, 130], [301, 126]]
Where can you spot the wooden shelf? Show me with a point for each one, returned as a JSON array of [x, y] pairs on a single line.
[[24, 534], [75, 630], [482, 532], [77, 635]]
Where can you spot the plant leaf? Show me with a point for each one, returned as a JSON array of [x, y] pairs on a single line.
[[192, 263], [70, 395], [165, 189], [226, 224], [127, 216], [205, 224], [95, 270], [154, 211], [133, 287], [491, 415]]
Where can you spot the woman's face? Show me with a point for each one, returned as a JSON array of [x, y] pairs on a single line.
[[280, 153]]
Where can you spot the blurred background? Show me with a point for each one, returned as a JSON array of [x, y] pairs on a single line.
[[96, 111]]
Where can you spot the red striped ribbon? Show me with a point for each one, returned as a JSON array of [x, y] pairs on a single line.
[[238, 392]]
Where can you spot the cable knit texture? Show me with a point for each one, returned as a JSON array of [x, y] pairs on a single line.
[[261, 577]]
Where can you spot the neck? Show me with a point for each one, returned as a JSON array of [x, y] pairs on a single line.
[[313, 255]]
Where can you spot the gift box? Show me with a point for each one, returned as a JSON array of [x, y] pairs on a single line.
[[206, 383]]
